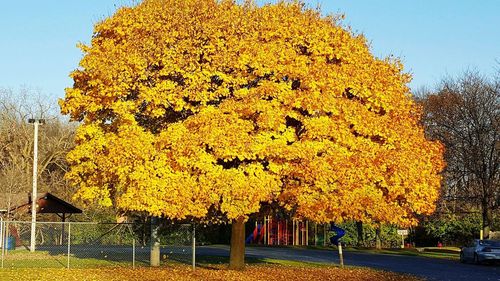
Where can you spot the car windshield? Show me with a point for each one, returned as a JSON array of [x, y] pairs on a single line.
[[491, 243]]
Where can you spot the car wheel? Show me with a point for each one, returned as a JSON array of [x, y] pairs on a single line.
[[462, 257]]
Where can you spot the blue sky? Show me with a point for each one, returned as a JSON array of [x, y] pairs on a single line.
[[433, 38]]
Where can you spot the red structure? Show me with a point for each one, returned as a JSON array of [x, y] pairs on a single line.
[[274, 231], [280, 230]]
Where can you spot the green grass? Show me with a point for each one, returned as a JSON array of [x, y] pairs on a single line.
[[216, 260], [450, 253], [46, 259]]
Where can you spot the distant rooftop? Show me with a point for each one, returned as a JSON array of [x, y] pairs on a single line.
[[47, 204]]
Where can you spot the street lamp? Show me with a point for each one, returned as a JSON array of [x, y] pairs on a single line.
[[35, 122]]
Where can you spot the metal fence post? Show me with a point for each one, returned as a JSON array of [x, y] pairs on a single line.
[[133, 253], [69, 242], [2, 235], [194, 246], [341, 255], [1, 231]]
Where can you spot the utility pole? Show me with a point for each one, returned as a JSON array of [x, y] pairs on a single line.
[[35, 122]]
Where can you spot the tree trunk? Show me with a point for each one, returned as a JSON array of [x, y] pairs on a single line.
[[237, 250], [377, 238], [487, 220], [359, 228], [154, 257]]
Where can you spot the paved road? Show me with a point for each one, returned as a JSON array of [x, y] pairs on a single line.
[[431, 269]]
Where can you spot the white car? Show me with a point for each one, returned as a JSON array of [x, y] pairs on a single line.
[[480, 251]]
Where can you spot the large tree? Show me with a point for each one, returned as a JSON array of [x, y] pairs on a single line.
[[464, 114], [212, 108]]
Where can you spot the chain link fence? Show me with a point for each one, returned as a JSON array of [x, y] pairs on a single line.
[[81, 245]]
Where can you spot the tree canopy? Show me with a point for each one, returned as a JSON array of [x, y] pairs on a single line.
[[197, 108]]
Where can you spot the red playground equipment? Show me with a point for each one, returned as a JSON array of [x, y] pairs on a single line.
[[278, 231]]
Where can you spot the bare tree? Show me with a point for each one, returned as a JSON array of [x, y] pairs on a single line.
[[464, 114], [16, 143]]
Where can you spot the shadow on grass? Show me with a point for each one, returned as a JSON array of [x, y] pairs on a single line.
[[220, 262], [80, 257]]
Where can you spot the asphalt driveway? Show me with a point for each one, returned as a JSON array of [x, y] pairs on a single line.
[[429, 268]]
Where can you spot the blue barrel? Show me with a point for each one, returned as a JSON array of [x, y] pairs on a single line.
[[11, 243]]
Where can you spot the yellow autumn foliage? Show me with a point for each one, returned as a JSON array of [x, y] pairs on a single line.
[[213, 272], [199, 106]]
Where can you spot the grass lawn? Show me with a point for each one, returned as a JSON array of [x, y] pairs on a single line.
[[44, 265], [50, 266], [450, 253], [48, 259]]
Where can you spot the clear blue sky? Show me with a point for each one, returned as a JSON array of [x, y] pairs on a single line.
[[433, 38]]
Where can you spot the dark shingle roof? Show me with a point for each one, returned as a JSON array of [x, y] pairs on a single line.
[[47, 203]]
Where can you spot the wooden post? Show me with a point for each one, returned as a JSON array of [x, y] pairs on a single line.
[[286, 232], [324, 234], [301, 233], [294, 232], [307, 233], [304, 235], [265, 233], [268, 230], [341, 255], [278, 236], [315, 234], [270, 223], [297, 233]]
